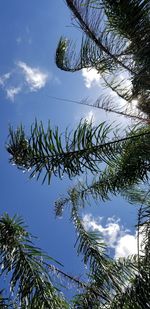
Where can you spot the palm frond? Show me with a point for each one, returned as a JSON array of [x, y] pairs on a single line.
[[51, 153], [89, 244], [100, 48], [89, 56], [125, 284], [85, 148], [25, 264], [128, 17], [108, 104], [129, 169], [116, 36], [131, 19], [105, 274]]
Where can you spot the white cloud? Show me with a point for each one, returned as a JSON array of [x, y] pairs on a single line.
[[89, 117], [35, 78], [126, 245], [115, 235], [4, 78], [110, 232], [12, 92], [24, 79], [91, 77]]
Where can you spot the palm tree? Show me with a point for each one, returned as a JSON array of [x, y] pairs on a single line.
[[127, 164], [116, 39], [118, 163]]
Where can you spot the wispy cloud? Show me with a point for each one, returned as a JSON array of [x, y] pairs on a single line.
[[12, 92], [19, 40], [34, 77], [4, 78], [24, 79], [115, 235], [89, 117], [91, 77]]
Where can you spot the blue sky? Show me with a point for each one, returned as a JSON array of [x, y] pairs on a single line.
[[30, 31]]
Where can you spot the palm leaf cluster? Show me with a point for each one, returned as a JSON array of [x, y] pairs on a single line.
[[130, 167], [127, 163], [56, 154], [99, 49], [131, 19], [105, 274], [124, 283], [47, 152], [115, 39], [26, 266]]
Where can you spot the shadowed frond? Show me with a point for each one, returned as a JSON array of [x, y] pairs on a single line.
[[116, 36], [26, 266], [5, 303], [101, 49], [132, 20], [108, 104]]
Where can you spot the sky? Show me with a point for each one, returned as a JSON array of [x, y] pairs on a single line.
[[29, 78]]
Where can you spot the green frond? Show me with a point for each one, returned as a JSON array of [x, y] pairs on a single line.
[[108, 104], [26, 265], [48, 152], [122, 273], [105, 274], [66, 58], [128, 17], [121, 86], [73, 281], [129, 168], [135, 295], [89, 56], [88, 244]]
